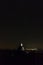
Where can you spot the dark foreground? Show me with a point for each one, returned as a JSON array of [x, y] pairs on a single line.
[[14, 57]]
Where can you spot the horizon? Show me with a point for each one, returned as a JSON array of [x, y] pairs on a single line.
[[15, 45]]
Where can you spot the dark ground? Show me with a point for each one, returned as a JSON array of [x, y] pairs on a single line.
[[8, 57]]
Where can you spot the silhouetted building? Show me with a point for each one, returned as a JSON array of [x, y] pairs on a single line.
[[21, 47]]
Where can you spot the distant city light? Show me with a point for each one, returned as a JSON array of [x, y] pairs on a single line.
[[32, 49]]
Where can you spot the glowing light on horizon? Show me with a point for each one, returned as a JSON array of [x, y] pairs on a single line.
[[32, 49]]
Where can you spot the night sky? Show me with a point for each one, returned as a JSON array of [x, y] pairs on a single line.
[[24, 24]]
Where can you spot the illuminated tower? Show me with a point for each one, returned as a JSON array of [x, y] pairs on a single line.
[[21, 47]]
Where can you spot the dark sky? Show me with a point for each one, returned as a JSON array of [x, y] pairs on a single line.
[[23, 22], [29, 33]]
